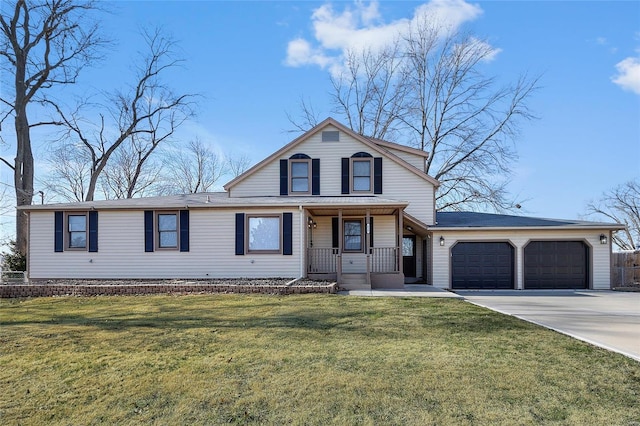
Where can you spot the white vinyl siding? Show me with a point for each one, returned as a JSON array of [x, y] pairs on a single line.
[[599, 265], [122, 255], [398, 183]]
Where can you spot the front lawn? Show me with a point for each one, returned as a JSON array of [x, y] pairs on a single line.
[[234, 359]]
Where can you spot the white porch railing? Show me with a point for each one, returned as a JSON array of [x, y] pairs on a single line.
[[384, 259]]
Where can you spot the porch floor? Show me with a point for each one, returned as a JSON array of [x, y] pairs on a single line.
[[409, 290]]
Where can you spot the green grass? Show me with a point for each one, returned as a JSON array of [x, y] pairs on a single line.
[[230, 359]]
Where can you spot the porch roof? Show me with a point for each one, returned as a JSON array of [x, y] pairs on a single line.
[[222, 200]]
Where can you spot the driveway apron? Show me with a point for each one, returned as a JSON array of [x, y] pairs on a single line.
[[607, 319]]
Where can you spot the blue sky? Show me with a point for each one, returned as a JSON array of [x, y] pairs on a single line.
[[587, 137]]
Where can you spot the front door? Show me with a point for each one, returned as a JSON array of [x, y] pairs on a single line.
[[409, 255]]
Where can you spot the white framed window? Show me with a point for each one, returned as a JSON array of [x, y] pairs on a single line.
[[167, 230], [353, 238], [331, 136], [77, 231], [300, 176], [264, 234], [361, 175]]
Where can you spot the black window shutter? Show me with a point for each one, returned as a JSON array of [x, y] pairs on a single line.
[[377, 175], [315, 176], [371, 231], [345, 175], [58, 231], [284, 177], [334, 232], [239, 234], [148, 230], [184, 230], [93, 231], [287, 233]]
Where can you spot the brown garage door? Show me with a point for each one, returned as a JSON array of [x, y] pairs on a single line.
[[482, 265], [556, 265]]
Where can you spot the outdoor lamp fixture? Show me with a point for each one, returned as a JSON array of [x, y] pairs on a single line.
[[603, 239], [311, 223], [441, 241]]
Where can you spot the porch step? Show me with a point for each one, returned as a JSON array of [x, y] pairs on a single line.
[[354, 282]]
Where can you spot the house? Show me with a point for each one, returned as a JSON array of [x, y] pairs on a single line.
[[329, 205]]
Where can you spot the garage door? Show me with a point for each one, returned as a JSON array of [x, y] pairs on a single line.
[[482, 265], [556, 265]]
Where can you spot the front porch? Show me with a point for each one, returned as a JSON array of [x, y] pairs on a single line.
[[361, 249]]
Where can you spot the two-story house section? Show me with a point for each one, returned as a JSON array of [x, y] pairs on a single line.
[[331, 204]]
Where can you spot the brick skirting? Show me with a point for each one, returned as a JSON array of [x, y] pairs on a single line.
[[47, 290]]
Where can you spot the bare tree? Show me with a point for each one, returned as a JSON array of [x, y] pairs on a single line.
[[622, 205], [195, 169], [426, 90], [70, 169], [132, 170], [238, 164], [145, 115], [43, 44]]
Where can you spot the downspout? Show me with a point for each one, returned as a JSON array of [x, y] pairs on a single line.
[[302, 230]]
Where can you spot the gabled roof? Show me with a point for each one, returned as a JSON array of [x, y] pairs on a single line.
[[331, 122], [457, 220]]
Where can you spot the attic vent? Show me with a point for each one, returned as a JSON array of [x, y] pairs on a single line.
[[331, 136]]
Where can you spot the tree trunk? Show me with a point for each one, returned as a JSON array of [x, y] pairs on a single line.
[[23, 176]]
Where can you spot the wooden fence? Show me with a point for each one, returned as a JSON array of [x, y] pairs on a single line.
[[626, 268]]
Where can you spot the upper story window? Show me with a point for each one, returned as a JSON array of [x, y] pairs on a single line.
[[168, 230], [77, 231], [361, 175], [300, 176]]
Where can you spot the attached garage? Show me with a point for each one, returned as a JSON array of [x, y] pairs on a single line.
[[556, 265], [482, 265]]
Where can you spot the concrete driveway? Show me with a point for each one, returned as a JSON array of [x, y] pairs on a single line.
[[608, 319]]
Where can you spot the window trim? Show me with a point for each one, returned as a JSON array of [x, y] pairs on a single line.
[[156, 230], [291, 177], [352, 174], [362, 235], [247, 233], [67, 232]]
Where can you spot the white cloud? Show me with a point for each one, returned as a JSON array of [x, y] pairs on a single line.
[[361, 25], [628, 76]]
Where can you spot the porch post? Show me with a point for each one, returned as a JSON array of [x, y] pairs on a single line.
[[340, 238], [367, 247], [399, 245]]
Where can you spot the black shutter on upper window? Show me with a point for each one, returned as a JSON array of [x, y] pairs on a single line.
[[184, 230], [334, 232], [315, 176], [58, 235], [377, 175], [345, 175], [148, 230], [284, 177], [287, 233], [93, 231], [239, 234]]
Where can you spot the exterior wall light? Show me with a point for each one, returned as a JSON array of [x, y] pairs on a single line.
[[603, 239], [311, 223], [441, 241]]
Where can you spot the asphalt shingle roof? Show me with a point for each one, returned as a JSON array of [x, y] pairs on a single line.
[[491, 220]]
